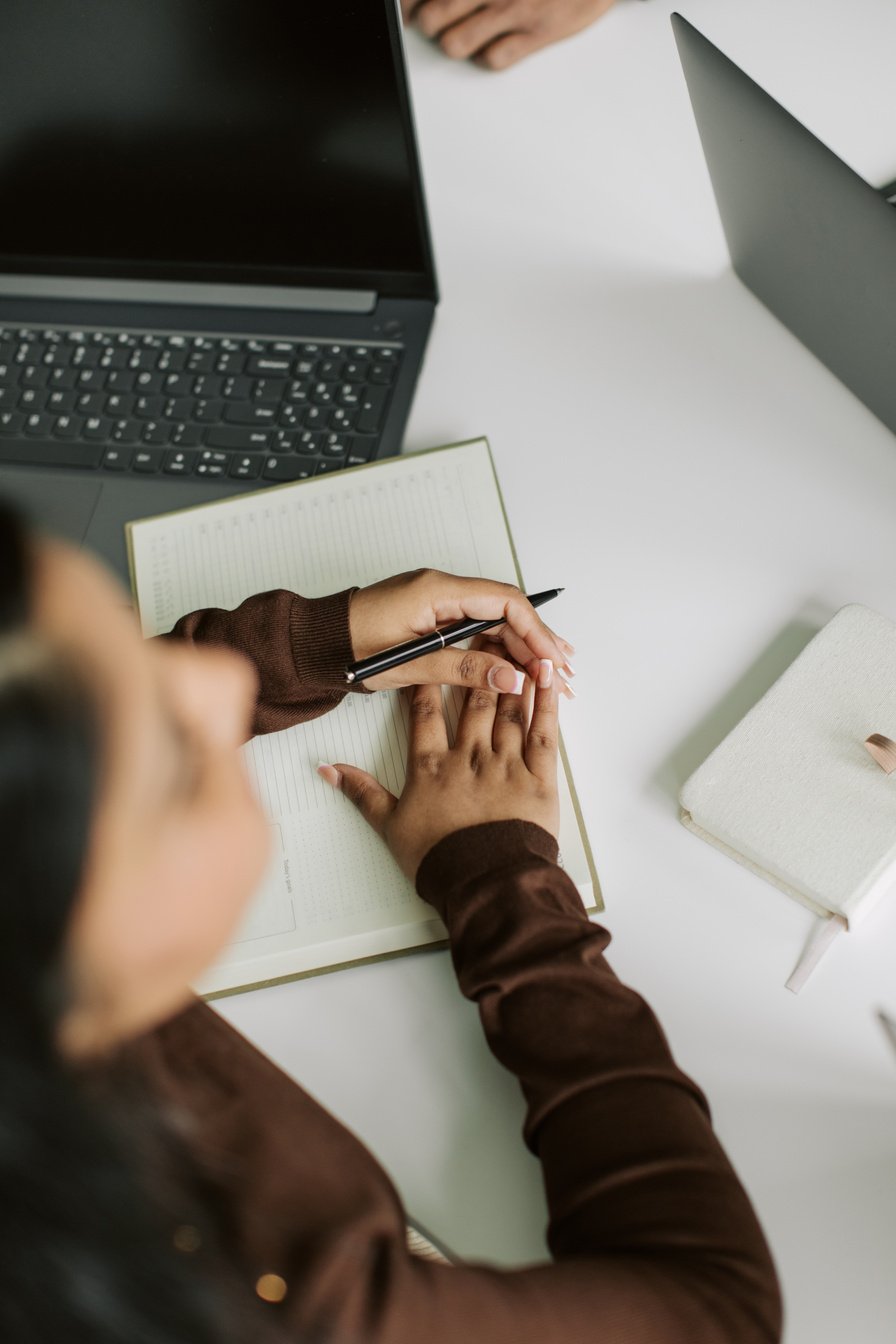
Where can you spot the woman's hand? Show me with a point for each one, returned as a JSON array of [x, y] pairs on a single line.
[[502, 767], [421, 601]]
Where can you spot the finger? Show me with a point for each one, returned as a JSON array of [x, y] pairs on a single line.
[[428, 733], [521, 653], [509, 48], [375, 803], [452, 597], [542, 741], [434, 16], [511, 721], [464, 667], [476, 722], [469, 35]]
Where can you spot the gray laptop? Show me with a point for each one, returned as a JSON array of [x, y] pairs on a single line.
[[215, 266], [812, 239]]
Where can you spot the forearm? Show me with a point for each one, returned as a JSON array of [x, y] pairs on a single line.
[[299, 646], [632, 1168]]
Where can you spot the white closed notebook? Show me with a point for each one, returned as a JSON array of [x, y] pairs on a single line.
[[792, 791]]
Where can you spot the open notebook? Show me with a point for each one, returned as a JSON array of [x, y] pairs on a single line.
[[333, 895]]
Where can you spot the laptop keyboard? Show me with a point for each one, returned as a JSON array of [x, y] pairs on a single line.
[[227, 407]]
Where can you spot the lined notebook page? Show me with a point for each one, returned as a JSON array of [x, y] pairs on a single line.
[[332, 893]]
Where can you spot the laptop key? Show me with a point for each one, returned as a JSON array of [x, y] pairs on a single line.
[[149, 408], [238, 439], [38, 424], [63, 402], [146, 460], [372, 408], [119, 405], [208, 412], [287, 469], [213, 463], [50, 453], [125, 431], [187, 436], [115, 459], [238, 414], [265, 364], [98, 427], [246, 468], [177, 463], [310, 443], [157, 432], [269, 389], [292, 416], [11, 422], [63, 377], [68, 426]]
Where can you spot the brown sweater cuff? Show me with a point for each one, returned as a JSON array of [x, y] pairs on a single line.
[[455, 864], [320, 639]]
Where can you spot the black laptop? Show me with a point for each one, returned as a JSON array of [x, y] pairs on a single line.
[[215, 266], [813, 240]]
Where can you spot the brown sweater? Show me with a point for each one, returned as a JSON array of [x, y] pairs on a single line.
[[652, 1236]]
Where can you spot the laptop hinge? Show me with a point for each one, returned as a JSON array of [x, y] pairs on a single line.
[[196, 295]]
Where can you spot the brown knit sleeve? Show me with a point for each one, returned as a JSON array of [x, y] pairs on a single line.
[[636, 1181], [300, 648]]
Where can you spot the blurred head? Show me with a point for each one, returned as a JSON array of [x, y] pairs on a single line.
[[135, 841]]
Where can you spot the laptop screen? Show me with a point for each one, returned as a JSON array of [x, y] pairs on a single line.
[[239, 141]]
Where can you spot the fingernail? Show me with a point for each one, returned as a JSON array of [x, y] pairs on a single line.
[[503, 678], [568, 668], [545, 672], [566, 688], [329, 773]]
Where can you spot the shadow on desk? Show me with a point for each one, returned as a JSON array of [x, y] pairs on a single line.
[[681, 763]]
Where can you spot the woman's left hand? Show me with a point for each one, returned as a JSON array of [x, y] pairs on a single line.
[[416, 603]]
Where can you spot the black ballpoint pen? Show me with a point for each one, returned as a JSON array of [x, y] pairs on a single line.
[[439, 639]]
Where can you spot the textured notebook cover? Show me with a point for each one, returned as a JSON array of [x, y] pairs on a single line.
[[792, 792]]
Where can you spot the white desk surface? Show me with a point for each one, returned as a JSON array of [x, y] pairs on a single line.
[[709, 495]]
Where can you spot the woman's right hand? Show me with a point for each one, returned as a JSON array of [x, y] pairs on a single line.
[[502, 767]]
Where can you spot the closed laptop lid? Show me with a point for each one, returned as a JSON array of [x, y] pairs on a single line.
[[209, 142]]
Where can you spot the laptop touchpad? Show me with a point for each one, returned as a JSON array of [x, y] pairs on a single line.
[[63, 504]]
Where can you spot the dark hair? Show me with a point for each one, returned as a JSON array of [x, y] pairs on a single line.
[[86, 1255]]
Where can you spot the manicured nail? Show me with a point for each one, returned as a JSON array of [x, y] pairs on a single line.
[[545, 672], [503, 678], [566, 688], [329, 773], [569, 670]]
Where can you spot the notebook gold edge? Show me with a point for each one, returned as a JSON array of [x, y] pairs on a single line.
[[598, 899]]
